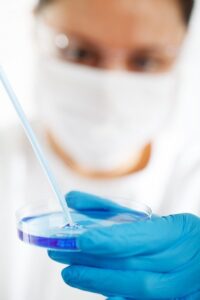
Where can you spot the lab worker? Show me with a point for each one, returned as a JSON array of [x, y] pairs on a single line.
[[110, 124]]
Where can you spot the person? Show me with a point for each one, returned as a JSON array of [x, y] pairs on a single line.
[[108, 117]]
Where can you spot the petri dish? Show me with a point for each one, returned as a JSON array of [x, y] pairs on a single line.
[[46, 227]]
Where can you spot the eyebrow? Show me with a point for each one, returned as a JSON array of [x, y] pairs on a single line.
[[79, 37], [170, 50]]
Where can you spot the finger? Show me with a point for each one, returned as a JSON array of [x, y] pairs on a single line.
[[126, 264], [83, 201], [165, 261], [145, 285], [94, 261], [195, 296], [139, 238]]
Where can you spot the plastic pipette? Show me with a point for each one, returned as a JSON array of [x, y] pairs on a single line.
[[35, 144]]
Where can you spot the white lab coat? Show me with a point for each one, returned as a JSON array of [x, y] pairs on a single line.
[[169, 184]]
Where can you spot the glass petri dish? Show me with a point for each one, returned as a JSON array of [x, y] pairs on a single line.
[[46, 226]]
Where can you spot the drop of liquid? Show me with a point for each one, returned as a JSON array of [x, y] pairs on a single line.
[[73, 226]]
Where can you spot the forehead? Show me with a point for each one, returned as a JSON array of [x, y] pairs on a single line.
[[119, 23]]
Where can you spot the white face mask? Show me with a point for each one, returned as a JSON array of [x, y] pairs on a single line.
[[99, 117]]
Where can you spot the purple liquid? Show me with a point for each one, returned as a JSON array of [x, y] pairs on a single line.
[[59, 243]]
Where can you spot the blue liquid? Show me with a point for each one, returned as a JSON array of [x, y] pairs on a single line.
[[68, 243], [49, 230]]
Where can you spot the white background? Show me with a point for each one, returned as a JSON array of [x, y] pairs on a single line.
[[17, 58], [16, 54]]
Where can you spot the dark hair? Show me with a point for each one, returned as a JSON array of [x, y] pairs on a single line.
[[41, 4], [186, 6]]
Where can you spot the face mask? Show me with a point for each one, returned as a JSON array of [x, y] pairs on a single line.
[[100, 118]]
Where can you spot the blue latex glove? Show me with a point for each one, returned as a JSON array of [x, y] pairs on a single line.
[[155, 259]]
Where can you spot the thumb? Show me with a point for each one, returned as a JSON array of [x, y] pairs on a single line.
[[83, 201]]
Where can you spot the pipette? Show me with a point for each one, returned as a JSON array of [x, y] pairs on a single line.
[[35, 144]]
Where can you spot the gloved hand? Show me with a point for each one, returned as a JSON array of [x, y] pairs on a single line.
[[154, 259]]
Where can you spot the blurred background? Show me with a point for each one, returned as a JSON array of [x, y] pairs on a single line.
[[17, 56]]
